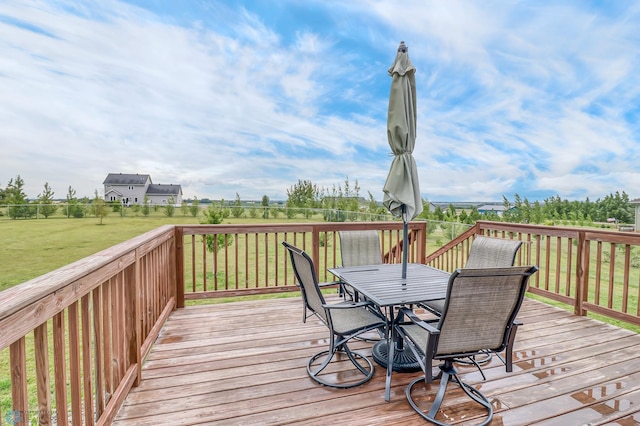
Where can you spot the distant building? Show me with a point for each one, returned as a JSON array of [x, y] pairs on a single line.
[[498, 209], [132, 189]]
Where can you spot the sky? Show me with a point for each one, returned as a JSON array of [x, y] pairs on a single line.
[[538, 98]]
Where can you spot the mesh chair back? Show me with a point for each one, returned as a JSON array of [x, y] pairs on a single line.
[[480, 308], [306, 275], [360, 248], [488, 252]]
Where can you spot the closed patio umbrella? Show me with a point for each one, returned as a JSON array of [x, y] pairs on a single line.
[[402, 189]]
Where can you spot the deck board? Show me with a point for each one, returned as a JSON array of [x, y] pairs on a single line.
[[244, 363]]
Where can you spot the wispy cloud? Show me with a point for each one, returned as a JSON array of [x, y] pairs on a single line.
[[534, 98]]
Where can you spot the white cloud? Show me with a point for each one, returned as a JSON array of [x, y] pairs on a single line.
[[225, 97]]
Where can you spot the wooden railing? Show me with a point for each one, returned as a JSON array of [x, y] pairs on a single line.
[[249, 259], [592, 270], [72, 341], [76, 337]]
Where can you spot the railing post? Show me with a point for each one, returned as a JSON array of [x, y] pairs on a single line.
[[315, 249], [582, 274], [179, 266], [422, 241]]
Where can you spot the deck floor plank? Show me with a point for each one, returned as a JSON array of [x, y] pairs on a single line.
[[245, 363]]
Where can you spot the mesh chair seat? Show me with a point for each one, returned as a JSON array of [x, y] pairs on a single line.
[[349, 321]]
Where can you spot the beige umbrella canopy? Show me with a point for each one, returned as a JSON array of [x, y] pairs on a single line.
[[402, 189]]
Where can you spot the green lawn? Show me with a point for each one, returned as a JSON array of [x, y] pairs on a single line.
[[32, 247]]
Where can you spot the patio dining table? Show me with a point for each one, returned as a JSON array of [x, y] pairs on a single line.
[[384, 286]]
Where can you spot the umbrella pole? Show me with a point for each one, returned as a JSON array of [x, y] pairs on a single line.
[[405, 241]]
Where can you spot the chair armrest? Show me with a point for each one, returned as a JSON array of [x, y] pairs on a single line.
[[419, 321]]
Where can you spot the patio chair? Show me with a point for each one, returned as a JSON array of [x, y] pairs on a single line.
[[485, 252], [479, 314], [345, 321], [358, 248]]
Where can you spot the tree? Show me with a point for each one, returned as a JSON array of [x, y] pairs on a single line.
[[47, 208], [508, 215], [99, 207], [615, 206], [214, 216], [265, 206], [73, 208], [184, 207], [537, 215], [237, 209], [373, 207], [451, 215], [146, 206], [16, 196], [304, 195], [463, 217], [195, 207], [474, 215], [349, 200], [438, 214], [170, 207]]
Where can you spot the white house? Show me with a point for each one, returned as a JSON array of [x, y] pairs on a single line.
[[132, 189]]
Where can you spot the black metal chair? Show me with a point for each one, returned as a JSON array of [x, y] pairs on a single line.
[[345, 321], [479, 314]]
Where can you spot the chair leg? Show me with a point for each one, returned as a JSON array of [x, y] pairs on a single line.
[[365, 370], [448, 373], [509, 349]]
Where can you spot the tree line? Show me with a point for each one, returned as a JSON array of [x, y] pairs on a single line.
[[339, 203]]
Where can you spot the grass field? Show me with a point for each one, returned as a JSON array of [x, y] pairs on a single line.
[[32, 247]]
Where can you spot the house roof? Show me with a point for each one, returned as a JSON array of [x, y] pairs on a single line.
[[160, 189], [126, 179], [114, 192]]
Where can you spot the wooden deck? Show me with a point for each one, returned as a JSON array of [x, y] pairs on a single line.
[[244, 363]]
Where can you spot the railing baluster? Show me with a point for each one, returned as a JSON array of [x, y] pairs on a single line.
[[98, 350], [19, 396], [569, 264], [86, 360], [612, 271], [74, 363], [625, 279], [106, 342], [60, 374], [41, 350]]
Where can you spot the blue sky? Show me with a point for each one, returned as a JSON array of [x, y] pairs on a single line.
[[536, 98]]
